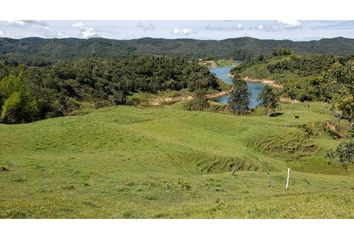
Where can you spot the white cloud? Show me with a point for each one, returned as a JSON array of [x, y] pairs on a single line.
[[78, 25], [61, 35], [24, 23], [182, 31], [290, 24], [146, 26], [1, 33], [239, 26], [34, 23], [35, 27], [17, 23], [224, 28], [14, 23], [85, 32], [266, 28], [88, 32]]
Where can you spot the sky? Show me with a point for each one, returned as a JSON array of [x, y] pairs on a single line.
[[296, 30]]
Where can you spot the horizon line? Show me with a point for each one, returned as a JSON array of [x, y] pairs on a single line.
[[217, 40]]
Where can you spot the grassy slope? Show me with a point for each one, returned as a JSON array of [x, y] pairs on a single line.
[[127, 162]]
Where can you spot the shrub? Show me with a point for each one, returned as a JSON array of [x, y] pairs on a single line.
[[198, 103]]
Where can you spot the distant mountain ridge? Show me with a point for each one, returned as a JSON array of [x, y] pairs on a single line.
[[240, 48]]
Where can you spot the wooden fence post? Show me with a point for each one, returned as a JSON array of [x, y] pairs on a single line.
[[287, 179]]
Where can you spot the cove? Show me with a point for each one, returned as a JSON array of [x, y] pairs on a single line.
[[254, 88]]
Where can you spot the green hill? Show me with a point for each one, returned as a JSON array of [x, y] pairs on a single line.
[[38, 51], [286, 68], [134, 162]]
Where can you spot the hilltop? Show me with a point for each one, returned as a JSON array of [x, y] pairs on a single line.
[[39, 51]]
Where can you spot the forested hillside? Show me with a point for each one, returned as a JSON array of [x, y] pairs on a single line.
[[37, 51], [306, 77], [32, 93]]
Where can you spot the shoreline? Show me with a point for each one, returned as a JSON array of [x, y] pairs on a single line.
[[171, 100], [219, 94], [268, 82]]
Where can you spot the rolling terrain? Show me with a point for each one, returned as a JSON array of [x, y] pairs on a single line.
[[164, 162]]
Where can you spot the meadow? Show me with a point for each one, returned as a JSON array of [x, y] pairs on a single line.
[[164, 162]]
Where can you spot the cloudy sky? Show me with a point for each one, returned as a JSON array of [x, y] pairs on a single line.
[[277, 29]]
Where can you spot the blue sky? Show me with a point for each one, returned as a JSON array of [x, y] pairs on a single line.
[[278, 29]]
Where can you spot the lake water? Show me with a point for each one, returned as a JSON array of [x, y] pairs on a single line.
[[254, 88]]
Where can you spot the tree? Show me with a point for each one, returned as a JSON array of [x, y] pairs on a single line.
[[239, 96], [269, 99], [339, 87], [285, 51], [260, 58], [199, 101], [20, 104], [281, 52], [339, 82], [11, 111], [19, 108], [344, 153]]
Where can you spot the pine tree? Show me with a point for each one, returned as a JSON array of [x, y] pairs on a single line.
[[20, 104]]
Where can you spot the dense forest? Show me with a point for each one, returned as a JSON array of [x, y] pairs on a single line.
[[32, 93], [41, 52]]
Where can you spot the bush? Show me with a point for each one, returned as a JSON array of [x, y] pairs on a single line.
[[344, 153], [198, 103]]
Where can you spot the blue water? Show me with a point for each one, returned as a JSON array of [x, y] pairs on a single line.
[[254, 88]]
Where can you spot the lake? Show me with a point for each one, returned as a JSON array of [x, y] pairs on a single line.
[[254, 88]]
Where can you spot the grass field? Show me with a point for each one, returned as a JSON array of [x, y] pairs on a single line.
[[135, 162]]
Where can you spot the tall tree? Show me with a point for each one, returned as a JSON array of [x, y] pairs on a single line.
[[339, 86], [269, 99], [339, 81], [239, 96], [20, 104]]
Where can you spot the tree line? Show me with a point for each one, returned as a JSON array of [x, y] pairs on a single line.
[[43, 52], [32, 93]]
